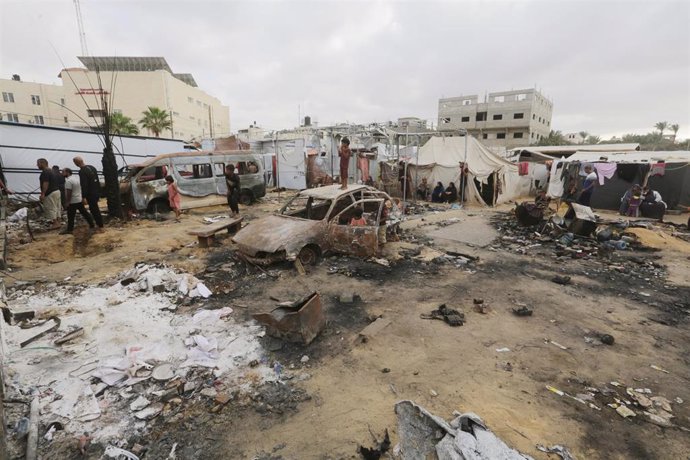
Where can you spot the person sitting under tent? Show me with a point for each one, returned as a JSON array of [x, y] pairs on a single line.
[[423, 190], [652, 205], [631, 201], [437, 194], [451, 193]]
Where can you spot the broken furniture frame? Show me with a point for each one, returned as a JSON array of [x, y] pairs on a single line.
[[205, 234]]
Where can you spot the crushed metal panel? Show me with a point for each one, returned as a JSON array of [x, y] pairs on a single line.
[[300, 322], [275, 233], [359, 241]]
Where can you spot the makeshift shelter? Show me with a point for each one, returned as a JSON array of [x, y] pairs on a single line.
[[666, 172], [491, 179]]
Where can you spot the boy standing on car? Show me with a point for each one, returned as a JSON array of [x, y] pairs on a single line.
[[232, 180], [344, 153]]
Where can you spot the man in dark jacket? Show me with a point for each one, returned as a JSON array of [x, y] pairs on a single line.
[[90, 189], [232, 181]]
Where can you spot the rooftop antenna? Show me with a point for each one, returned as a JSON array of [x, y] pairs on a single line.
[[80, 24]]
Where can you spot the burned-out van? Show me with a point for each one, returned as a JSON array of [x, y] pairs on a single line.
[[198, 175]]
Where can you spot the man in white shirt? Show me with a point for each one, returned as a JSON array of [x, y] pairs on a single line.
[[74, 199]]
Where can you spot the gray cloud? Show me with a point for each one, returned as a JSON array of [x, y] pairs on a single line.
[[610, 67]]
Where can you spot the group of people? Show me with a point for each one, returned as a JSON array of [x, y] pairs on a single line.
[[642, 201], [439, 194], [61, 189]]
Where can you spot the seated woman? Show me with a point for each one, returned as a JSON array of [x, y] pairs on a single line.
[[437, 194], [631, 201], [358, 219], [451, 193], [423, 190], [652, 205]]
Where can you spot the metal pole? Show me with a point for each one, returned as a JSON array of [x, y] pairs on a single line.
[[463, 182]]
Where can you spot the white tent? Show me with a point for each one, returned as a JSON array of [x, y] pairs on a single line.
[[439, 161]]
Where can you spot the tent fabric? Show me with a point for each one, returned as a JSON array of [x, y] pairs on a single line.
[[677, 156], [439, 161]]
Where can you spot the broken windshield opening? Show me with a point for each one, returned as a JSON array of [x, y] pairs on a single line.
[[307, 208]]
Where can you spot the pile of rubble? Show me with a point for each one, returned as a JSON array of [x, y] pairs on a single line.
[[124, 354]]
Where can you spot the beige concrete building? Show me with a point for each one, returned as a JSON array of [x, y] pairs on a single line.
[[35, 103], [506, 119], [137, 83]]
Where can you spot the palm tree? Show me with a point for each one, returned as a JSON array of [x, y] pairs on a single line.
[[674, 127], [120, 124], [554, 138], [156, 120], [592, 139], [661, 126], [583, 135]]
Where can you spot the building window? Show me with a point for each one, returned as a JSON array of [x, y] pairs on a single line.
[[499, 99], [13, 117], [539, 119], [7, 97], [465, 119], [534, 116], [500, 135], [190, 100], [521, 97], [498, 117], [62, 101], [38, 119], [517, 135], [35, 100], [466, 102], [485, 136], [445, 121], [518, 116], [481, 116], [65, 120], [198, 102], [194, 171], [96, 113], [548, 123]]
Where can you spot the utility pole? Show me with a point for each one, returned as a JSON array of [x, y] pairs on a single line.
[[82, 34]]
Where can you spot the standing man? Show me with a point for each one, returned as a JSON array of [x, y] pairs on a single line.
[[50, 193], [344, 153], [464, 170], [90, 189], [74, 200], [588, 186], [232, 181], [61, 184]]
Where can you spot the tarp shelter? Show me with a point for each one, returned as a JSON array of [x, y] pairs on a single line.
[[491, 180], [666, 172]]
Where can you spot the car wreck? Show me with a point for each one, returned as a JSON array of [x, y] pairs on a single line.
[[314, 222]]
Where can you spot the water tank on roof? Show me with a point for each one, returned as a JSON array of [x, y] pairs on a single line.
[[307, 121]]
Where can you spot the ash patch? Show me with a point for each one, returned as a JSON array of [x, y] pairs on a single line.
[[277, 399]]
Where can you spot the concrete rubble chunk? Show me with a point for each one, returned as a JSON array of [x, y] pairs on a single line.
[[149, 412], [424, 435], [139, 403]]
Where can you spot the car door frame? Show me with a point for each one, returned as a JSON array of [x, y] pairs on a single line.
[[358, 241]]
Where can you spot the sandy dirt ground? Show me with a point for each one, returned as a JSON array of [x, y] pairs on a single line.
[[440, 367]]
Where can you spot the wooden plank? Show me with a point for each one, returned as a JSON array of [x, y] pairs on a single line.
[[212, 229]]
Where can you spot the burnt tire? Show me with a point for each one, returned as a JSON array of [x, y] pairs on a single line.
[[309, 255], [158, 205], [246, 198]]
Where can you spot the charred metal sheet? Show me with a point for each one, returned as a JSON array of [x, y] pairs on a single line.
[[54, 327], [299, 322], [358, 241]]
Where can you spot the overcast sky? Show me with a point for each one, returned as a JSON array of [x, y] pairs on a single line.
[[610, 67]]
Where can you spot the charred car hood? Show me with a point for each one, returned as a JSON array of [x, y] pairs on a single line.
[[275, 233]]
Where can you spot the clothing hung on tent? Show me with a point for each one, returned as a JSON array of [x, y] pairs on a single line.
[[605, 170], [523, 168], [658, 169]]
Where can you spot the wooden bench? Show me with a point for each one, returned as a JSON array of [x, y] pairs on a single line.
[[205, 234]]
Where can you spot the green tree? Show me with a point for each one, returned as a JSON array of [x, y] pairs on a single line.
[[661, 126], [156, 120], [592, 139], [584, 135], [674, 127], [554, 138], [120, 124]]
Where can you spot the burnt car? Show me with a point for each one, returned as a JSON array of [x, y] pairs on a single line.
[[314, 222]]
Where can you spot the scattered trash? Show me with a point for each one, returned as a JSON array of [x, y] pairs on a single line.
[[149, 412], [424, 435], [557, 449], [373, 328], [607, 339], [385, 370], [163, 372], [304, 359], [450, 316], [139, 403], [522, 311], [558, 345], [433, 393], [117, 453], [657, 368], [70, 336], [563, 280], [625, 412], [502, 350], [19, 215], [480, 306]]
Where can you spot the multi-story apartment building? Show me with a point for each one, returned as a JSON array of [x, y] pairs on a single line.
[[28, 102], [132, 84], [505, 119]]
